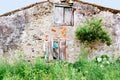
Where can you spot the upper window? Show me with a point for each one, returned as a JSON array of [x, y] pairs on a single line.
[[63, 15]]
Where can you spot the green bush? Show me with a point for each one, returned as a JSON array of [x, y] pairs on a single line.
[[92, 31]]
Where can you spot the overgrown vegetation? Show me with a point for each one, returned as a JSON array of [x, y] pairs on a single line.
[[101, 68], [92, 31], [98, 69]]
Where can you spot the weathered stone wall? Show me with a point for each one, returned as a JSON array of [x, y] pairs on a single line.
[[20, 29], [111, 22], [37, 27], [28, 27], [11, 28]]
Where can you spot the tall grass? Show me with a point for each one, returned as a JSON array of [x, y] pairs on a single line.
[[59, 70]]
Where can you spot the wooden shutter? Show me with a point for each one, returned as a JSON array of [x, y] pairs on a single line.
[[68, 16], [63, 15], [59, 15]]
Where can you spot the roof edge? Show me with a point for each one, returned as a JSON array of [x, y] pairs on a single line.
[[115, 11], [23, 8]]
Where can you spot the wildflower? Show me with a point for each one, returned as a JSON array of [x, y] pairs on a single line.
[[99, 59], [101, 66], [104, 59], [107, 62]]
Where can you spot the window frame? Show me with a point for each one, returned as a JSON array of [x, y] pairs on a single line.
[[64, 7]]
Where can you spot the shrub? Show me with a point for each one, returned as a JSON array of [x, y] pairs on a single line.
[[92, 31]]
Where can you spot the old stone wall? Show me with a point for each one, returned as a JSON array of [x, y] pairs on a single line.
[[21, 29], [37, 27], [26, 29], [11, 28], [111, 22]]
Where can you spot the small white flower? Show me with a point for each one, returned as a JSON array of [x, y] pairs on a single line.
[[99, 59], [104, 59], [101, 66], [107, 62]]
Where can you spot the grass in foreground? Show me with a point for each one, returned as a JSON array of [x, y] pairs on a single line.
[[59, 70]]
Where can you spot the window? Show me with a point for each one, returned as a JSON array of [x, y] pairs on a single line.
[[63, 15]]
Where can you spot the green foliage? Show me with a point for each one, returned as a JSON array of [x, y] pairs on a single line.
[[92, 31], [3, 68], [118, 60], [93, 70], [103, 59], [59, 70]]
